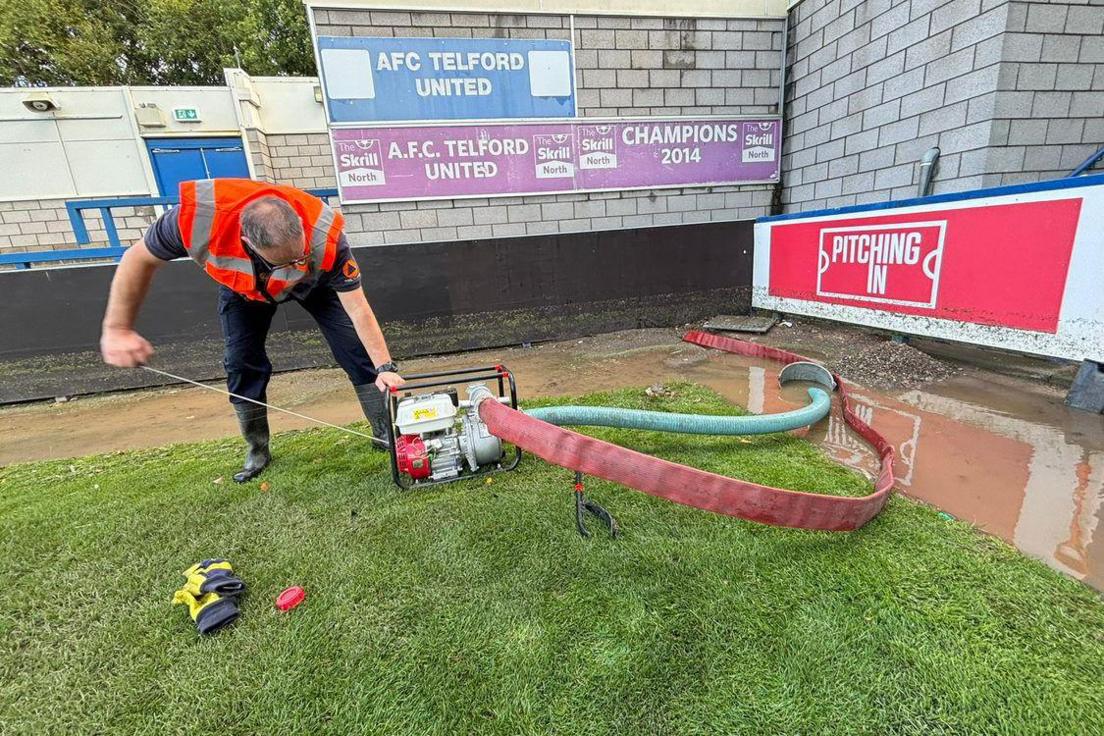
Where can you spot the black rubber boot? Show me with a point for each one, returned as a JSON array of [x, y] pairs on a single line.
[[253, 421], [374, 403]]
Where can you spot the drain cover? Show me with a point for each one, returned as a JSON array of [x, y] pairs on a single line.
[[742, 323]]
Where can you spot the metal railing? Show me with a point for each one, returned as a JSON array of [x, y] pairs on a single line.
[[1088, 163], [115, 248]]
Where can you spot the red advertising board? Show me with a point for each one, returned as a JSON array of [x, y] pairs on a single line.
[[1003, 265]]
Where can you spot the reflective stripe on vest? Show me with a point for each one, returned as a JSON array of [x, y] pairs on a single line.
[[231, 263], [203, 219], [319, 236]]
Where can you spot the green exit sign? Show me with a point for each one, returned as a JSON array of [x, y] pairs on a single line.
[[186, 114]]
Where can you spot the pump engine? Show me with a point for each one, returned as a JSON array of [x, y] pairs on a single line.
[[437, 437]]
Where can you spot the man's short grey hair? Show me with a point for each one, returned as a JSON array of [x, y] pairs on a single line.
[[270, 222]]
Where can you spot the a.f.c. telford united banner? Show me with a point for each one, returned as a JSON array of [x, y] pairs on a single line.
[[395, 163], [377, 79]]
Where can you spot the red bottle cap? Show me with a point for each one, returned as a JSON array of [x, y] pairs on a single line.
[[290, 598]]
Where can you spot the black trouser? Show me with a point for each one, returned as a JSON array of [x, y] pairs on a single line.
[[245, 325]]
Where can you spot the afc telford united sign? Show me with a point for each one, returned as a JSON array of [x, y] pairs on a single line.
[[375, 79], [440, 161]]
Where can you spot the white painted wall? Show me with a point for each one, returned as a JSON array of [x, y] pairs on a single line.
[[86, 147], [93, 145], [287, 105], [215, 106]]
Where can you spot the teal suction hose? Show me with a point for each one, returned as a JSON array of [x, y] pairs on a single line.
[[660, 421]]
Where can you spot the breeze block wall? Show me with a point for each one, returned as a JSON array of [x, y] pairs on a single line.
[[301, 159], [625, 67], [1049, 106], [43, 224], [1009, 92]]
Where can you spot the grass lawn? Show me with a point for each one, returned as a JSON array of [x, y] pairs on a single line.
[[476, 608]]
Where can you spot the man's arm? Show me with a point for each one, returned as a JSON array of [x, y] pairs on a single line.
[[120, 344], [368, 330]]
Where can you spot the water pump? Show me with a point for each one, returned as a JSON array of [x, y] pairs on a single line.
[[438, 437]]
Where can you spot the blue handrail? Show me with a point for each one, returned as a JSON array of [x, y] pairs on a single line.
[[76, 209], [1088, 163], [24, 260]]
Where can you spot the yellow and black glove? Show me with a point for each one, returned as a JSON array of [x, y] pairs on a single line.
[[213, 576], [211, 592]]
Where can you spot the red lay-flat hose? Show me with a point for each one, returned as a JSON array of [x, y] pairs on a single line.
[[694, 487]]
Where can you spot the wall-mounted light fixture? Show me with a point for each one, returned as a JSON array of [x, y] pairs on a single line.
[[39, 102], [149, 115]]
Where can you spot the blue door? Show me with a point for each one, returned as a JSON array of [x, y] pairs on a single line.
[[183, 159]]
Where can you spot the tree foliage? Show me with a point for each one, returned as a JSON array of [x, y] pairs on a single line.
[[107, 42]]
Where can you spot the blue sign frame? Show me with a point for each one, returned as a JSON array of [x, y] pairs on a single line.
[[418, 79]]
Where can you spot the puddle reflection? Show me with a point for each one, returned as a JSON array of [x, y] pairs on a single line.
[[1019, 465]]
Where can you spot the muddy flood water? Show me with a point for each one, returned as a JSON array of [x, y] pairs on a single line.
[[1003, 453]]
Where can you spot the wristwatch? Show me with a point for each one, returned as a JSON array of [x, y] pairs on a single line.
[[388, 367]]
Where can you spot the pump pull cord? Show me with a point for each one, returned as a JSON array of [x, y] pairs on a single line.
[[166, 374]]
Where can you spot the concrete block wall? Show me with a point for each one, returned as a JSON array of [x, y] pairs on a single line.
[[43, 224], [302, 160], [1049, 107], [1009, 92], [504, 217], [259, 156], [624, 67], [873, 84]]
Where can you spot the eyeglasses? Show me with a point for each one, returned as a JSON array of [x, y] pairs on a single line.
[[300, 261]]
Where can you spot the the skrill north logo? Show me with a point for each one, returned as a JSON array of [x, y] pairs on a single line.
[[889, 264], [360, 163], [554, 156], [759, 142], [597, 147]]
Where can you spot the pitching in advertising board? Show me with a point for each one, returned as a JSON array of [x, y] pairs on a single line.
[[997, 265], [886, 264], [1016, 267]]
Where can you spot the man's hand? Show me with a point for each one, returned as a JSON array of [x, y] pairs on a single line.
[[386, 381], [124, 348], [120, 344]]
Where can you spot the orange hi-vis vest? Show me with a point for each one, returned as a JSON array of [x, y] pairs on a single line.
[[210, 211]]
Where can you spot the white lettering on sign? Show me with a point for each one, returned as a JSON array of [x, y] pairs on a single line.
[[597, 144], [450, 61], [461, 170], [359, 159], [452, 87], [889, 263], [877, 248], [480, 147], [413, 149], [457, 61], [654, 134], [395, 60]]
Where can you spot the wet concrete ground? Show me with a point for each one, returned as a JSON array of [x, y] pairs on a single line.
[[1000, 451]]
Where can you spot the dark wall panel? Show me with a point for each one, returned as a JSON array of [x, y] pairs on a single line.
[[432, 297]]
